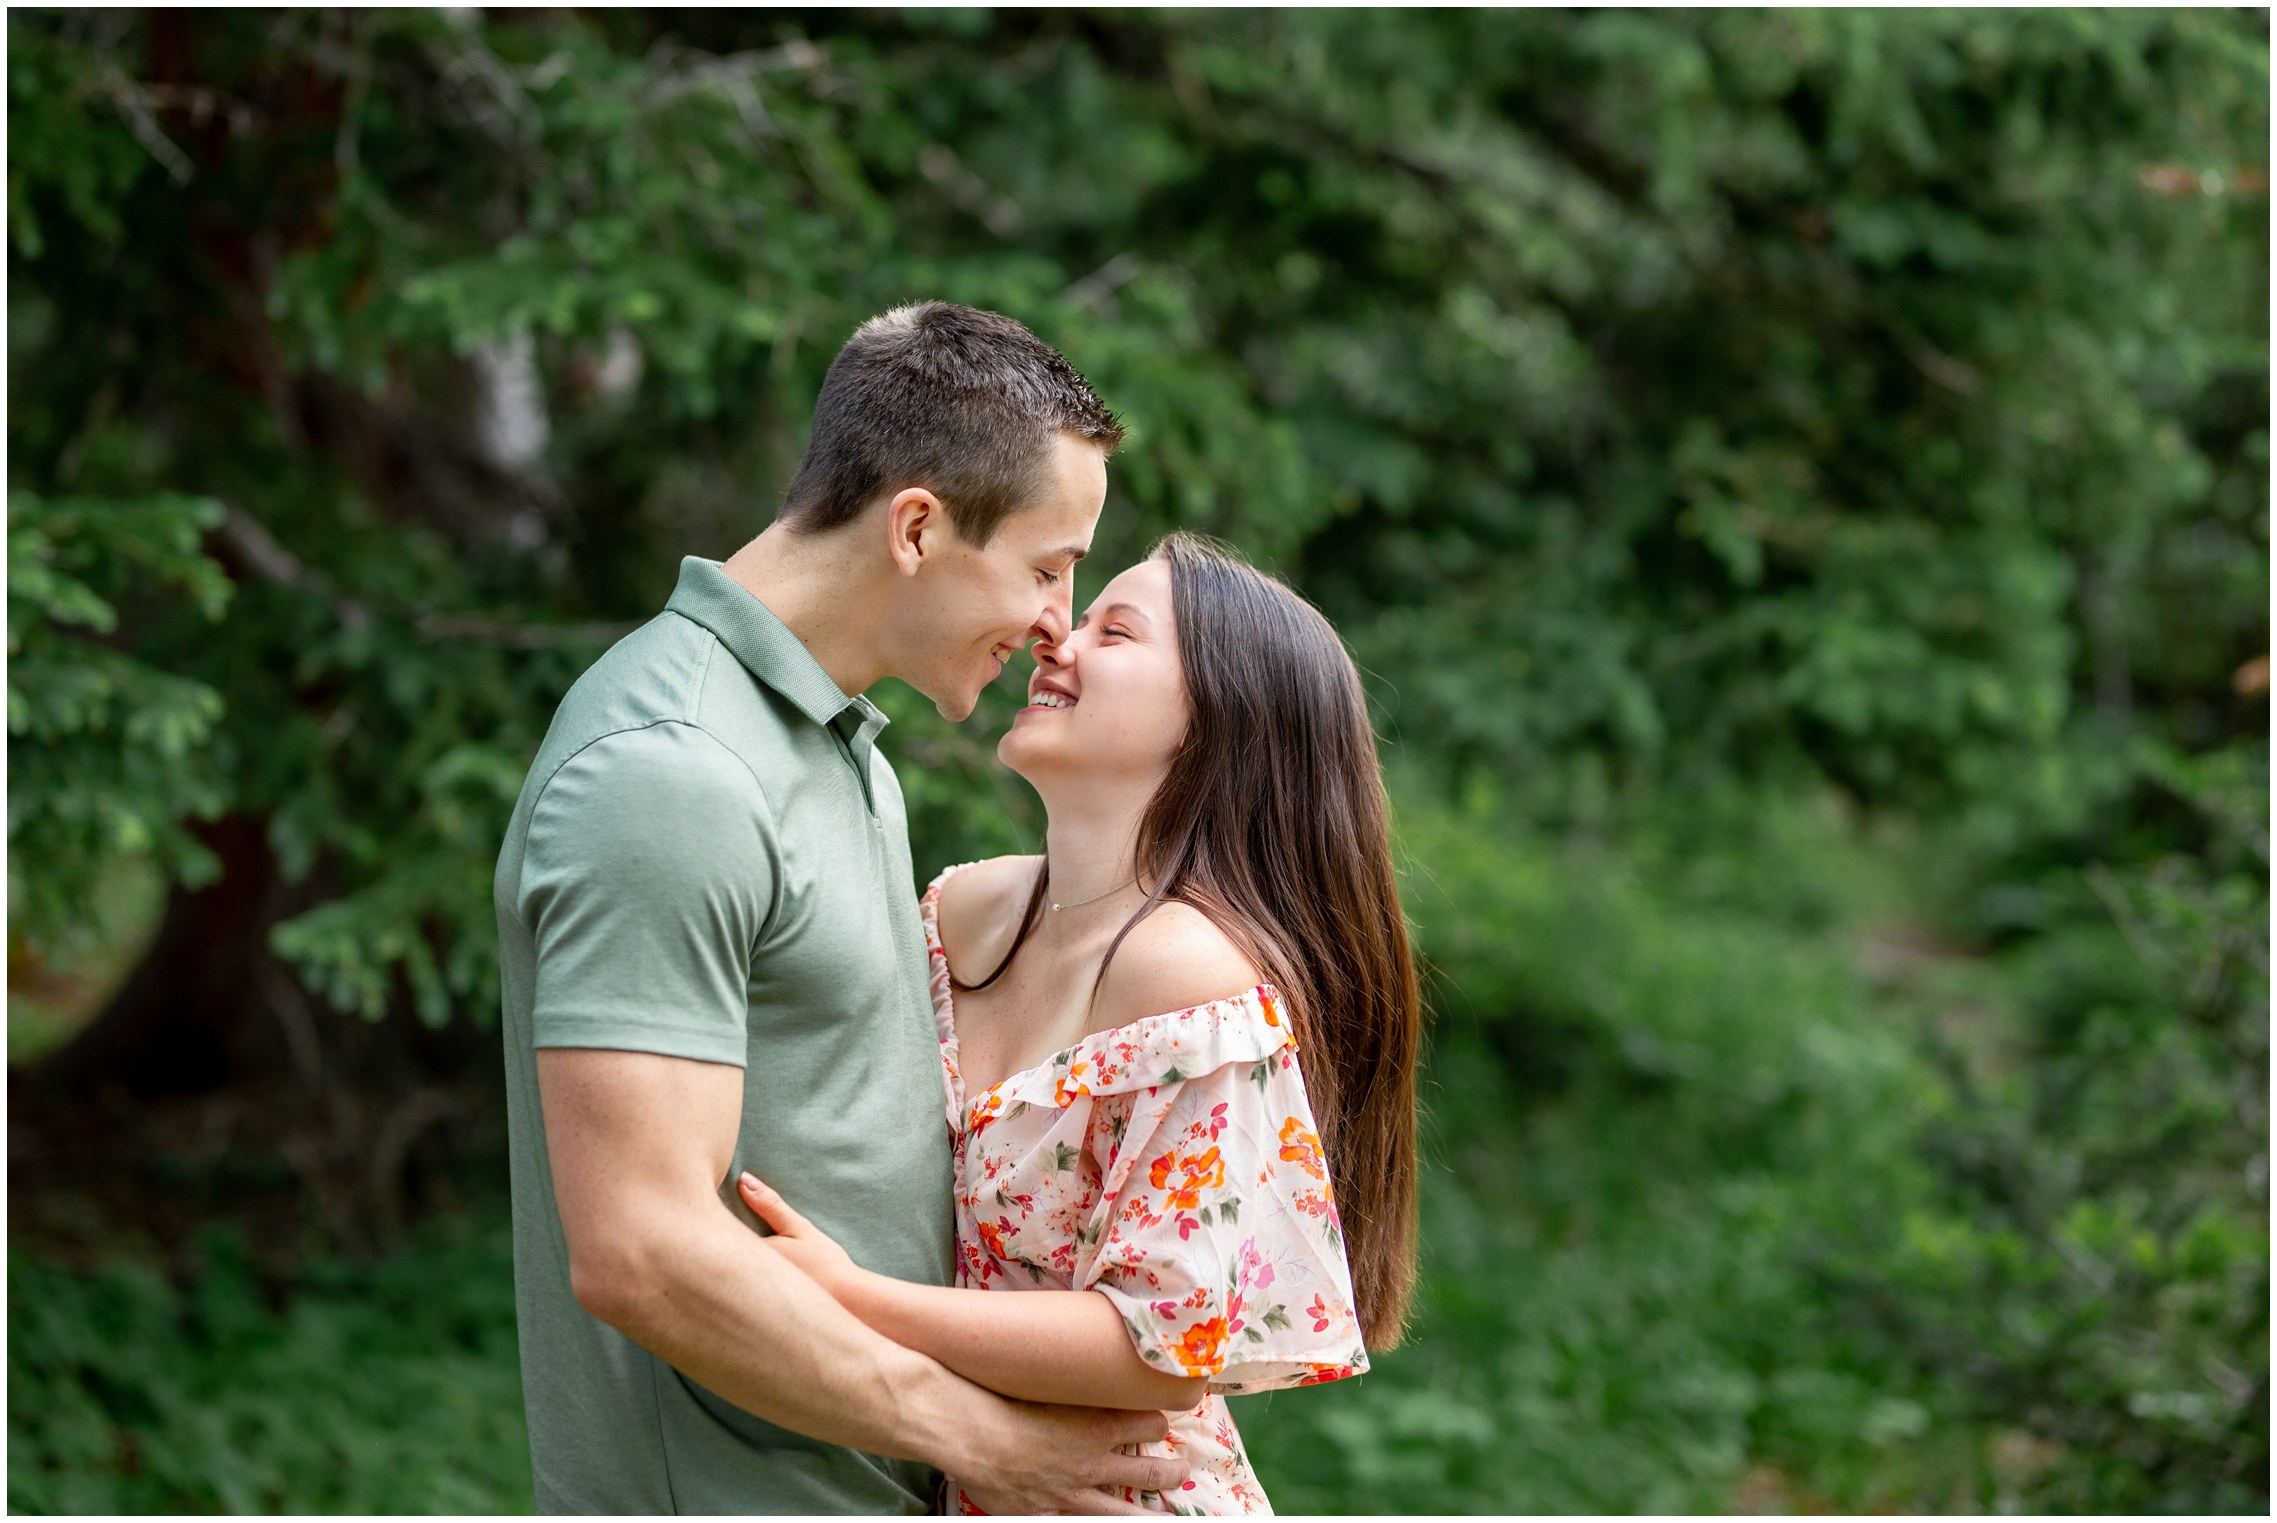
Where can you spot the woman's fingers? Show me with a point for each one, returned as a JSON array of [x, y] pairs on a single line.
[[771, 1208]]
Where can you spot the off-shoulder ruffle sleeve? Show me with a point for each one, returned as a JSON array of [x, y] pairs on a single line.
[[1216, 1233]]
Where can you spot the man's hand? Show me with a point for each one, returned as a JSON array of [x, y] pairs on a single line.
[[1068, 1460]]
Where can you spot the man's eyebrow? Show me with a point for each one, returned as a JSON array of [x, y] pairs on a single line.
[[1074, 552]]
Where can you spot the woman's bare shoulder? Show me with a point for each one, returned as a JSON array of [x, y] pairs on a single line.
[[981, 904], [1174, 959]]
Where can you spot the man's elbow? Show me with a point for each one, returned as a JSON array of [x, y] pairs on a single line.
[[616, 1284]]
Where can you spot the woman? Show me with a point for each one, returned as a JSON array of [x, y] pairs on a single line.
[[1165, 1038]]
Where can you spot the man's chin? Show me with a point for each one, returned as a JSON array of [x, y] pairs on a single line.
[[956, 709]]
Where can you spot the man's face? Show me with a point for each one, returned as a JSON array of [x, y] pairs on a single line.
[[973, 608]]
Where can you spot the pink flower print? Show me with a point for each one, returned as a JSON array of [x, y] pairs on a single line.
[[1166, 1310], [1319, 1313]]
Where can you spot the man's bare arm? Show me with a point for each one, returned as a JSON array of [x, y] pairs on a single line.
[[639, 1144]]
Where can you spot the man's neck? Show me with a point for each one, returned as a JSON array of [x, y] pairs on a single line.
[[819, 587]]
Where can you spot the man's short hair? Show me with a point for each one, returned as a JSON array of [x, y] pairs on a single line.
[[961, 402]]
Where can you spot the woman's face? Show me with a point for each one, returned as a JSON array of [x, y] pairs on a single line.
[[1109, 701]]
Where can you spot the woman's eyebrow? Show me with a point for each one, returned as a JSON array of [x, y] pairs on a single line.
[[1128, 610]]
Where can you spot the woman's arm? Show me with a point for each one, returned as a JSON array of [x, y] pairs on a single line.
[[1066, 1346]]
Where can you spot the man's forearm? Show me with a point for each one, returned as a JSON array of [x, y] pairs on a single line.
[[1041, 1345], [710, 1301]]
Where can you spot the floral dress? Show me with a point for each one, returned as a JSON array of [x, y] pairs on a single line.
[[1171, 1164]]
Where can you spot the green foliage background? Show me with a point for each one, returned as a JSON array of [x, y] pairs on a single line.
[[1797, 482]]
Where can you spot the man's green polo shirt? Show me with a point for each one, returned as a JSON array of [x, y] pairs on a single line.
[[709, 860]]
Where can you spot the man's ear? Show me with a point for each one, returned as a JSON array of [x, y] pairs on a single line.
[[915, 522]]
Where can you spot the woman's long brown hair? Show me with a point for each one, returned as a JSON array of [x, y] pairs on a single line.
[[1271, 822]]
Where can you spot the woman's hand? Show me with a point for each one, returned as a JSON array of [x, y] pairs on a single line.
[[810, 1250]]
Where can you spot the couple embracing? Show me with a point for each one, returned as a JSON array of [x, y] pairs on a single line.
[[822, 1192]]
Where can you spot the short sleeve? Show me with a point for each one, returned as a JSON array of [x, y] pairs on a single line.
[[1219, 1243], [647, 877]]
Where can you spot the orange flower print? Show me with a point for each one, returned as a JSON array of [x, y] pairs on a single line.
[[1198, 1348], [1072, 1083], [993, 1234], [1197, 1171], [1301, 1147]]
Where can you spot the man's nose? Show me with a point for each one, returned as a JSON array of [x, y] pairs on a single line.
[[1051, 625]]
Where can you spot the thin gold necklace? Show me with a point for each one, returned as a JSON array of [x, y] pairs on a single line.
[[1094, 899]]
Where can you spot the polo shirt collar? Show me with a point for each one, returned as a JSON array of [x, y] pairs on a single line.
[[765, 645]]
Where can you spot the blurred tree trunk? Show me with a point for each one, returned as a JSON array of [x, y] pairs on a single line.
[[213, 1032]]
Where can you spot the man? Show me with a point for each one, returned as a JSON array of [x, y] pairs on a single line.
[[712, 963]]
